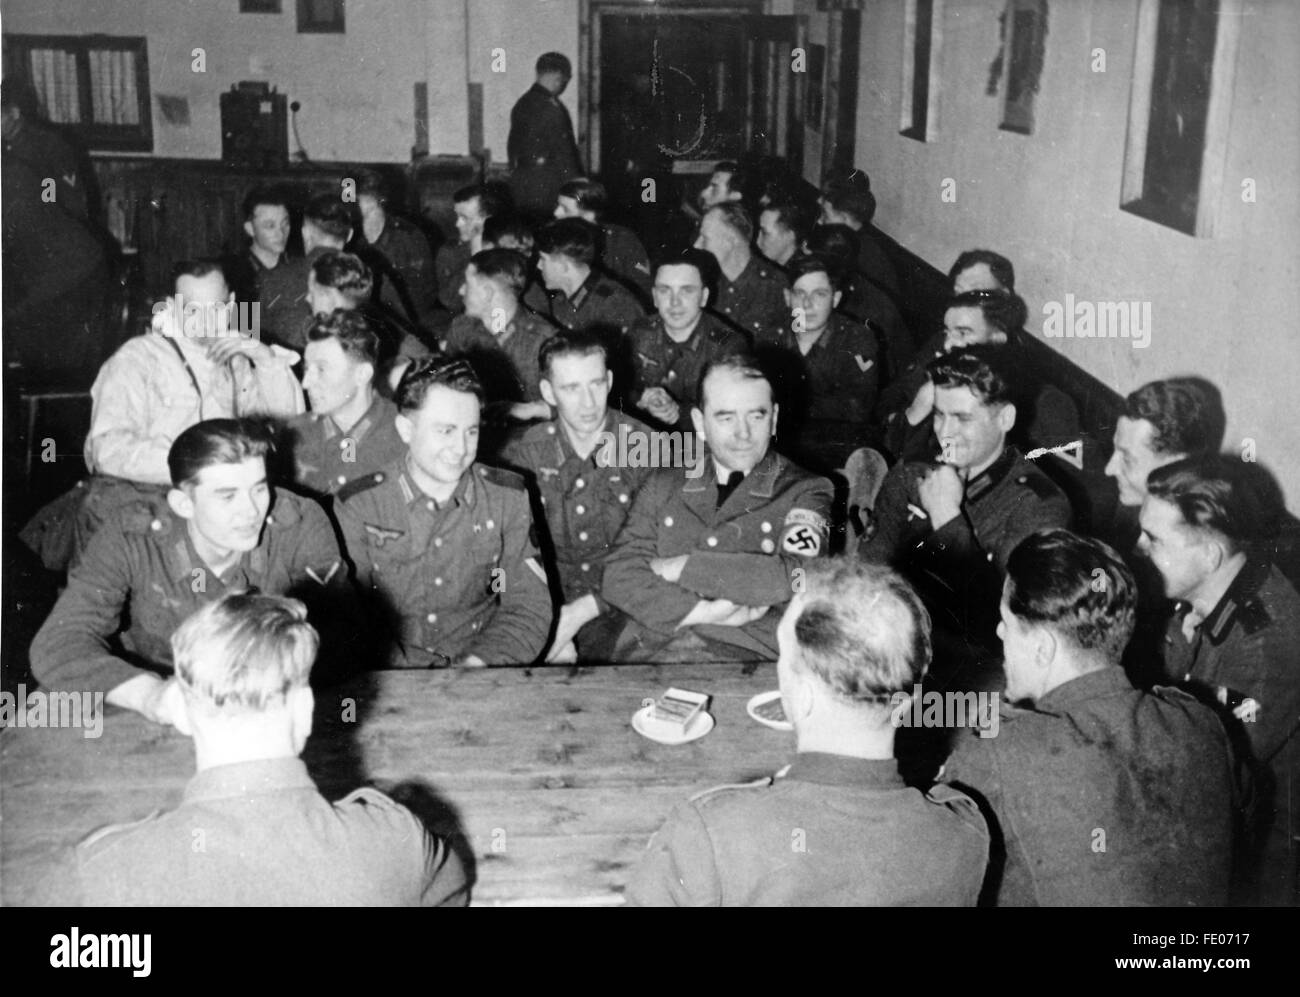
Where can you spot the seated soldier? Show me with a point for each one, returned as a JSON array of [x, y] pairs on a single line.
[[782, 228], [473, 205], [671, 349], [751, 291], [195, 363], [222, 527], [265, 272], [441, 545], [709, 550], [950, 525], [621, 252], [514, 232], [500, 337], [863, 301], [828, 369], [1098, 794], [326, 228], [350, 431], [1233, 644], [343, 281], [252, 830], [982, 270], [854, 640], [397, 252], [587, 485], [849, 201], [581, 296]]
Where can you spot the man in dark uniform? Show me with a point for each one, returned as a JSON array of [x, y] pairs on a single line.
[[782, 228], [265, 273], [671, 349], [621, 252], [587, 472], [828, 366], [849, 201], [1098, 794], [1233, 644], [499, 336], [222, 527], [327, 225], [252, 829], [950, 526], [751, 291], [443, 545], [350, 431], [474, 205], [514, 232], [542, 151], [397, 251], [839, 827], [709, 550], [581, 296]]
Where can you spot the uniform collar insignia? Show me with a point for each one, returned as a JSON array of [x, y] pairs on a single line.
[[1240, 593], [992, 475]]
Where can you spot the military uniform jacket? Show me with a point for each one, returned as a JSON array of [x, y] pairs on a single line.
[[141, 561], [755, 301], [586, 501], [506, 362], [625, 257], [541, 148], [1102, 795], [450, 264], [454, 580], [600, 300], [404, 264], [325, 458], [259, 834], [659, 361], [831, 831], [748, 551]]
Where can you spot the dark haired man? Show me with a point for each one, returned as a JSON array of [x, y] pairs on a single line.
[[982, 270], [710, 549], [1232, 642], [585, 467], [1099, 794], [442, 546], [581, 296], [473, 205], [541, 148], [751, 293], [621, 252], [397, 251], [327, 224], [265, 272], [221, 527], [670, 350], [782, 228], [350, 431], [515, 232], [853, 640], [849, 201]]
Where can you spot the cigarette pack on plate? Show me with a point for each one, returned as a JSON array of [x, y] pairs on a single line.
[[678, 707]]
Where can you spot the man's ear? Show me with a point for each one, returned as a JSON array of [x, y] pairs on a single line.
[[697, 420], [704, 297], [835, 299], [365, 373], [548, 392], [248, 227], [181, 503], [1007, 417], [302, 704], [1046, 647], [789, 298], [801, 695], [404, 427]]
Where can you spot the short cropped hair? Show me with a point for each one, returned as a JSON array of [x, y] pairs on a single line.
[[351, 330], [198, 268], [566, 343], [1220, 495], [704, 263], [554, 62], [589, 194], [791, 217], [345, 272], [572, 237], [498, 227], [1187, 413], [330, 215], [273, 196], [838, 242], [999, 266], [739, 180], [245, 652], [861, 630], [1077, 587], [853, 199], [1005, 312], [982, 368], [373, 184], [806, 263], [215, 441], [504, 266], [735, 217], [429, 372], [746, 365], [493, 199]]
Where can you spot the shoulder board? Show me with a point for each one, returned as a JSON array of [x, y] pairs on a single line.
[[109, 830], [147, 516], [286, 508], [1037, 482], [941, 792], [604, 290], [359, 485], [762, 783], [369, 796], [1173, 694], [538, 432], [1254, 615], [500, 476]]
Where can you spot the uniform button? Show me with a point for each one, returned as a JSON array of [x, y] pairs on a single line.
[[543, 500], [623, 499], [586, 567], [712, 541], [437, 581], [432, 618], [668, 520], [766, 527], [767, 546], [429, 505], [345, 443], [490, 524], [582, 535], [578, 483], [342, 480], [579, 509], [437, 541], [156, 525]]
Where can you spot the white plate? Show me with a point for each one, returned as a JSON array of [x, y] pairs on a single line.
[[759, 700], [700, 725]]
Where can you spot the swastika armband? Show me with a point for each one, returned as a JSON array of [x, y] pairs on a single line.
[[804, 532]]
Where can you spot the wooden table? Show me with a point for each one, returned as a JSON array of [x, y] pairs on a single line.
[[540, 770]]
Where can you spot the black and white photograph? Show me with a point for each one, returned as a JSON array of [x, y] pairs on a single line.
[[682, 453]]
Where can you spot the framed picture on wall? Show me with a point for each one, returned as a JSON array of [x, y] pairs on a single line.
[[1024, 42], [320, 17], [259, 6]]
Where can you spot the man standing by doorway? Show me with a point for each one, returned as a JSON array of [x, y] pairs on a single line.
[[542, 150]]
